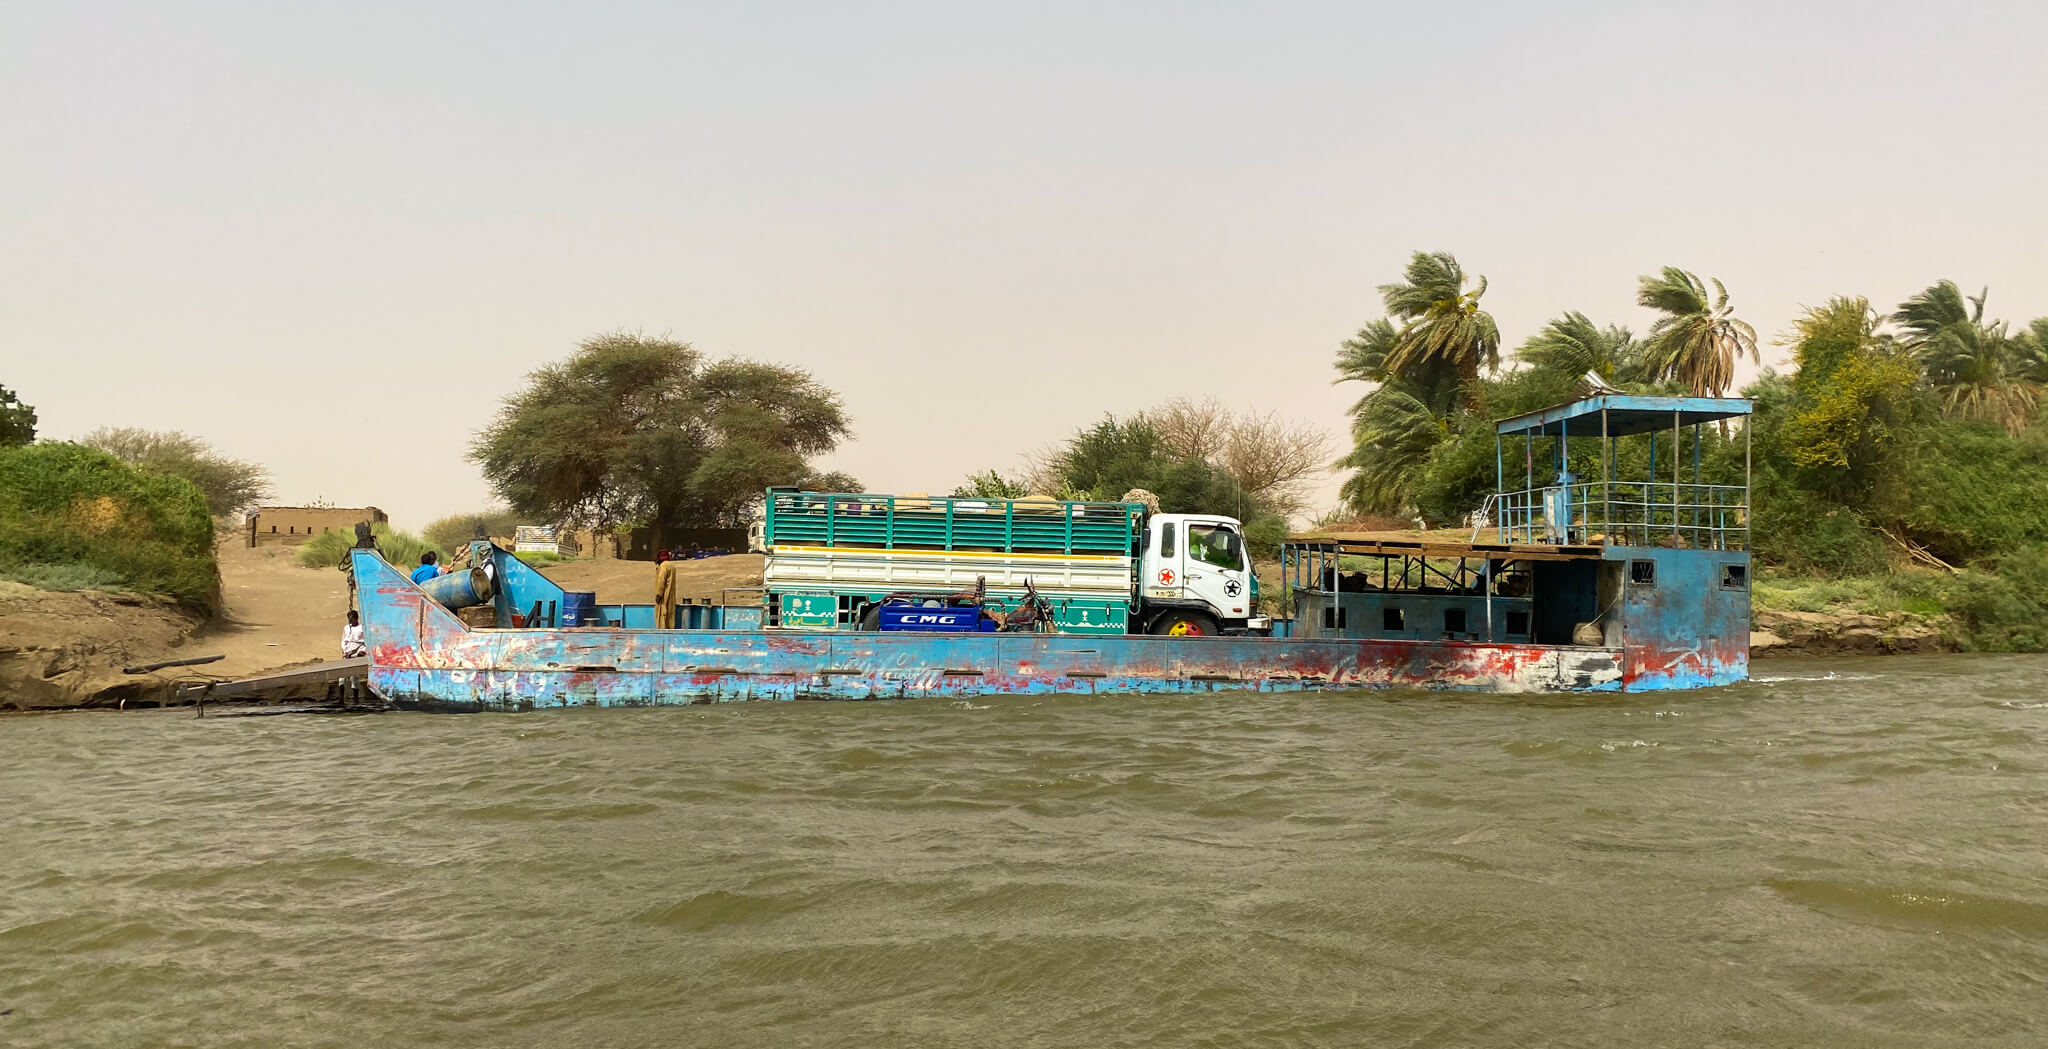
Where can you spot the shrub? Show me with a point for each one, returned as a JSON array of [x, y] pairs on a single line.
[[400, 548], [456, 530], [1805, 535], [2005, 609], [67, 507]]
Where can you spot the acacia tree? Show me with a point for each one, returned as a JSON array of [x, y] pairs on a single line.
[[635, 429], [228, 484], [1271, 457]]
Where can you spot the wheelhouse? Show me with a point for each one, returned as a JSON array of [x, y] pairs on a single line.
[[1626, 528]]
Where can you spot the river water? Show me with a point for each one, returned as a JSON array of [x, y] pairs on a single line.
[[1838, 853]]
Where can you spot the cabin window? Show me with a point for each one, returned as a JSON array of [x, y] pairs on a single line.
[[1167, 547], [1454, 620], [1333, 617], [1734, 576], [1518, 624], [1392, 621], [1642, 573], [1216, 545]]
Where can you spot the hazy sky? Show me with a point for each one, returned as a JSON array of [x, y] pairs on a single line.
[[331, 240]]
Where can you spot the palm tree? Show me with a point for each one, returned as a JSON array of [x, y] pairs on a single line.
[[1392, 435], [1446, 338], [1979, 371], [1698, 339], [1393, 426], [1573, 345], [2033, 350], [1363, 357]]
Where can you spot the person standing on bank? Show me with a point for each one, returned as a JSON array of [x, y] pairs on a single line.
[[427, 569], [352, 644]]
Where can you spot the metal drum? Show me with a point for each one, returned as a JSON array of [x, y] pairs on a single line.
[[457, 590], [579, 608]]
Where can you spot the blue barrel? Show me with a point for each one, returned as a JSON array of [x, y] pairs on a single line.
[[459, 589], [579, 608]]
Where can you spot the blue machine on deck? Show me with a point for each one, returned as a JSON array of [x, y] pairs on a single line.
[[937, 620]]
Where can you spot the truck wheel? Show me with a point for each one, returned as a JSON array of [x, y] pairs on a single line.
[[871, 620], [1184, 624]]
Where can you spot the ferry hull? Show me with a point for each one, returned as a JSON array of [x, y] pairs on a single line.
[[527, 670], [423, 657]]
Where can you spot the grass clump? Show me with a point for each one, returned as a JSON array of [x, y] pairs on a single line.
[[1913, 592], [400, 548], [64, 577], [79, 518]]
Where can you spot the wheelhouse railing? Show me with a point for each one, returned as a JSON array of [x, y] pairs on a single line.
[[1607, 497], [1623, 513]]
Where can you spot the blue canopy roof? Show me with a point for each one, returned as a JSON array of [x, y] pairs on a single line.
[[1624, 414]]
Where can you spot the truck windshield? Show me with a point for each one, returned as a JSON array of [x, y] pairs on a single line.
[[1216, 545]]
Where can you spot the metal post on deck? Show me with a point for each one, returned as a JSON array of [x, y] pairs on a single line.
[[1675, 476], [1606, 475], [1500, 489], [1698, 436], [1745, 480], [1489, 599]]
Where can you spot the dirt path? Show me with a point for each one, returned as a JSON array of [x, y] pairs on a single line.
[[277, 613]]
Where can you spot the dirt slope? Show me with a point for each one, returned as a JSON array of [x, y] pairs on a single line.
[[277, 613], [67, 649]]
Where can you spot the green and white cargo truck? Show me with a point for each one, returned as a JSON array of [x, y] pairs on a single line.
[[1105, 568]]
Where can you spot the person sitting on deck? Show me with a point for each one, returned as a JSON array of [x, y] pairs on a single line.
[[352, 644], [427, 569]]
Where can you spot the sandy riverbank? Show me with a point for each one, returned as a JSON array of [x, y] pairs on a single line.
[[60, 650]]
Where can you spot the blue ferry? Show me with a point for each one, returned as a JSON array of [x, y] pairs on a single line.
[[1564, 583]]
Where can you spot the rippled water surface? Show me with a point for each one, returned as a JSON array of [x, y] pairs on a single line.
[[1850, 853]]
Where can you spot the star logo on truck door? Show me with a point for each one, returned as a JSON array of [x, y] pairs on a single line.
[[1231, 588], [1166, 576]]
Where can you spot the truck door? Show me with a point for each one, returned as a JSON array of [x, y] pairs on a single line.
[[1216, 569], [1164, 577]]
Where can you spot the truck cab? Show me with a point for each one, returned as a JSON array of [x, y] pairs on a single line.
[[1195, 577]]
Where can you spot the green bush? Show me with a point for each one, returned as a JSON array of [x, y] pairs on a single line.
[[399, 548], [70, 513], [1798, 532], [2005, 609], [456, 530], [1974, 493]]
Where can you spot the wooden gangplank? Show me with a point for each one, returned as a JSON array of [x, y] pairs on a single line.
[[318, 678]]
